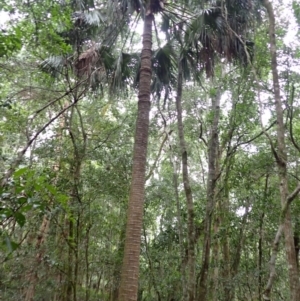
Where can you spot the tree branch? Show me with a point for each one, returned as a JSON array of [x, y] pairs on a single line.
[[20, 155]]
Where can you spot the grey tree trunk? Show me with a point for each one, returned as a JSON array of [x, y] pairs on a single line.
[[281, 159], [213, 146], [191, 282]]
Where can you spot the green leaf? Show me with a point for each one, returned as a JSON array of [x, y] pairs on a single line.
[[11, 245], [20, 172], [20, 218], [51, 189]]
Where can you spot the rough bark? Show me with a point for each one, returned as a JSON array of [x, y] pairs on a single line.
[[281, 158], [130, 269], [211, 185], [191, 283]]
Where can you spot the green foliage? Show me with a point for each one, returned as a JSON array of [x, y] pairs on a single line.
[[63, 208], [10, 41]]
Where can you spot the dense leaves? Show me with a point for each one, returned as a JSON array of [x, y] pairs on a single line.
[[70, 72]]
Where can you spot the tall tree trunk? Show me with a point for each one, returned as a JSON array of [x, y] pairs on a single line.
[[213, 294], [297, 241], [260, 242], [224, 223], [87, 262], [211, 185], [32, 276], [281, 158], [191, 282], [116, 273], [130, 268], [180, 229], [70, 283]]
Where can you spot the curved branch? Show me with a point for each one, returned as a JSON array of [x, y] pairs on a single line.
[[158, 156]]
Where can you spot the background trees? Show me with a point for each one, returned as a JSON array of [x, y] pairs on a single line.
[[70, 76]]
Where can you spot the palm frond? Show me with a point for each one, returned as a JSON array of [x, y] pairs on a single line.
[[164, 63], [54, 65], [88, 17], [130, 6], [219, 31], [124, 72]]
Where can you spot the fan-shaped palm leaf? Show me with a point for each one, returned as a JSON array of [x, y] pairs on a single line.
[[124, 71], [163, 68], [90, 18], [219, 30], [54, 65]]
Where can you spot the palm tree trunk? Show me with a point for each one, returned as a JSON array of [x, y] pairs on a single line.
[[281, 158], [191, 283], [211, 185], [130, 268]]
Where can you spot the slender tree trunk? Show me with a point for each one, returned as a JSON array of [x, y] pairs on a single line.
[[69, 287], [118, 264], [237, 258], [191, 282], [180, 230], [130, 269], [33, 273], [226, 258], [297, 241], [87, 262], [211, 185], [260, 256], [151, 271], [260, 244], [215, 259], [281, 158], [75, 216]]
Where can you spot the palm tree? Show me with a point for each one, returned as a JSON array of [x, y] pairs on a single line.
[[208, 32], [130, 268]]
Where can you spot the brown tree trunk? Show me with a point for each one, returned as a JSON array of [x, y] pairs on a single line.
[[281, 158], [32, 276], [191, 281], [211, 185], [130, 269]]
